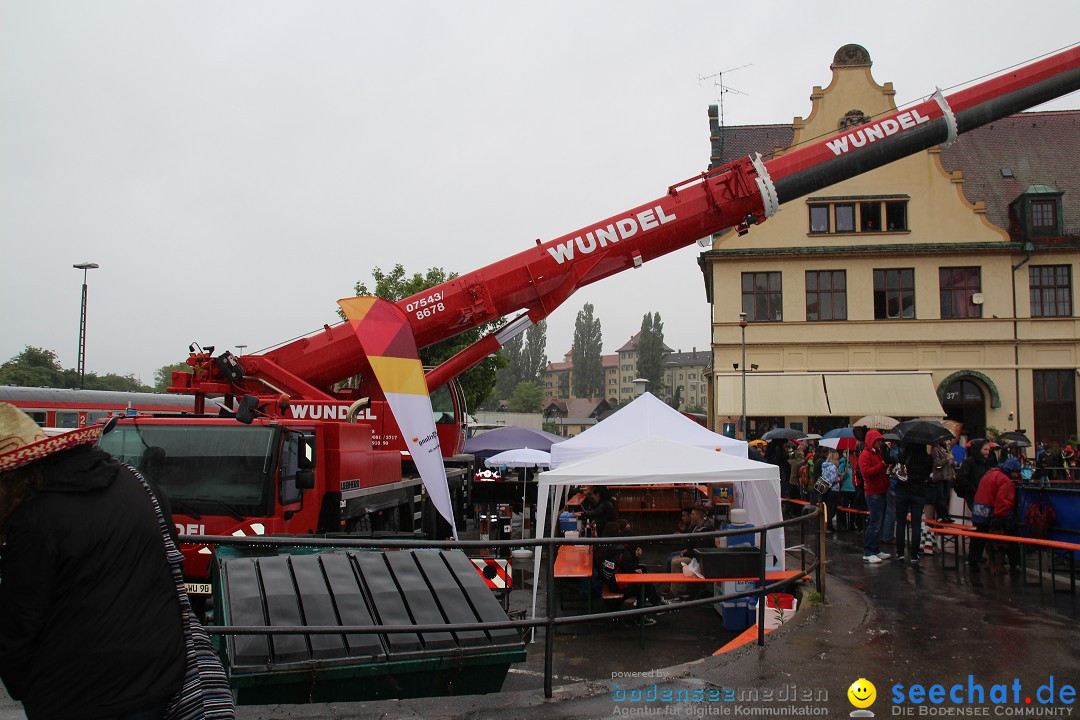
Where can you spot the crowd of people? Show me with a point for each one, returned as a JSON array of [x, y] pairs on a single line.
[[886, 489]]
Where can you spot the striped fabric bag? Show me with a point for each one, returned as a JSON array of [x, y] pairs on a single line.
[[205, 693]]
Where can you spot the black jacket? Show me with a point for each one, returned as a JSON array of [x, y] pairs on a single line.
[[700, 542], [972, 470], [920, 467], [602, 514], [89, 618]]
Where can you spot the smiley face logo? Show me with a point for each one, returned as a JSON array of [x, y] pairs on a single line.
[[862, 693]]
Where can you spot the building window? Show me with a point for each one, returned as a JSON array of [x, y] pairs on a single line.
[[826, 295], [958, 286], [1054, 395], [869, 215], [1051, 290], [894, 294], [895, 216], [845, 218], [1043, 215], [762, 298]]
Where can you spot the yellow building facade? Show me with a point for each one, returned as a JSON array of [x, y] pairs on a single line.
[[905, 291]]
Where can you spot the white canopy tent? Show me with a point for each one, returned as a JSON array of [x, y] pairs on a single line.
[[657, 460], [647, 416]]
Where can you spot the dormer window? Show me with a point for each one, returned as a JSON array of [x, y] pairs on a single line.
[[1038, 211], [1043, 216]]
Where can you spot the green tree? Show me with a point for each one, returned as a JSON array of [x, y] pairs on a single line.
[[37, 367], [526, 398], [587, 348], [526, 360], [113, 381], [508, 377], [534, 353], [33, 367], [651, 352], [163, 375], [676, 399], [478, 382]]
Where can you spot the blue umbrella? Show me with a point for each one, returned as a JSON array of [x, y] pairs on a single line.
[[510, 437], [845, 432]]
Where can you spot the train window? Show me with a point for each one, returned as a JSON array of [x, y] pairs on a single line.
[[38, 416], [67, 419]]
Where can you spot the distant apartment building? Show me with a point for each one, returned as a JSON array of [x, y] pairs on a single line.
[[681, 370], [684, 377]]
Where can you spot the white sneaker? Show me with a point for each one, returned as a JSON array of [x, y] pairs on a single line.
[[883, 556], [872, 559]]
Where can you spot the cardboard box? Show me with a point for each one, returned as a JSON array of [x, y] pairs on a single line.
[[741, 561]]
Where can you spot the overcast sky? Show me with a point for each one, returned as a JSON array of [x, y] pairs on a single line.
[[235, 167]]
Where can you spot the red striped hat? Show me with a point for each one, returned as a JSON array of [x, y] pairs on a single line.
[[23, 442]]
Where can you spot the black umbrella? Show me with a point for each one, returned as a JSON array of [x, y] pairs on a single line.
[[783, 434], [1014, 439], [922, 432]]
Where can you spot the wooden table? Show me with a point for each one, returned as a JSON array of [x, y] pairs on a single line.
[[574, 561], [642, 578]]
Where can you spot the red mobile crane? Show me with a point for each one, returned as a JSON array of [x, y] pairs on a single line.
[[308, 457]]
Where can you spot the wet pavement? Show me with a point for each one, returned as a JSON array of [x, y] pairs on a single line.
[[894, 624]]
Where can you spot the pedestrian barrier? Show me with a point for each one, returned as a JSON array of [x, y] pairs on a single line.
[[961, 535]]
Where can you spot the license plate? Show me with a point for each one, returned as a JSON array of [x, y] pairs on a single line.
[[198, 588]]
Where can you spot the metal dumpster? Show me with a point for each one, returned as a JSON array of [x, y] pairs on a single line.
[[304, 587]]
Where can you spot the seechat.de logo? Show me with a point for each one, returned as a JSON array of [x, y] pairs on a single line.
[[862, 694]]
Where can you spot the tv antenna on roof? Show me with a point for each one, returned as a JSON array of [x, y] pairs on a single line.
[[721, 90]]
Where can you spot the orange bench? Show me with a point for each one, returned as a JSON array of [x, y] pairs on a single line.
[[967, 531]]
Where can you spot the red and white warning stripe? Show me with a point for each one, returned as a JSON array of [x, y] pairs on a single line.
[[495, 571]]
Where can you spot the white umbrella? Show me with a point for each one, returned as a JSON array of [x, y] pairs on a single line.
[[519, 457]]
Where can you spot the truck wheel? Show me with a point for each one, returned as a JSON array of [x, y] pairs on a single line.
[[361, 524]]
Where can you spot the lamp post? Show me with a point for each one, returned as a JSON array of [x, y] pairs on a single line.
[[82, 320], [241, 348], [742, 366]]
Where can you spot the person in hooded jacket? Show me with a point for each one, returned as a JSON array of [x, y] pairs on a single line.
[[90, 623], [875, 486], [976, 464], [997, 496]]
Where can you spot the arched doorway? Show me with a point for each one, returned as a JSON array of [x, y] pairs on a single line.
[[963, 400]]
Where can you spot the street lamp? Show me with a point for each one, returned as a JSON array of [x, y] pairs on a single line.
[[241, 348], [82, 319], [742, 419]]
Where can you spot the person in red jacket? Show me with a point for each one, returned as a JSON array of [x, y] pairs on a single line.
[[875, 486], [992, 512]]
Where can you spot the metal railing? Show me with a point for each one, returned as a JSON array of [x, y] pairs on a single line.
[[549, 620]]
